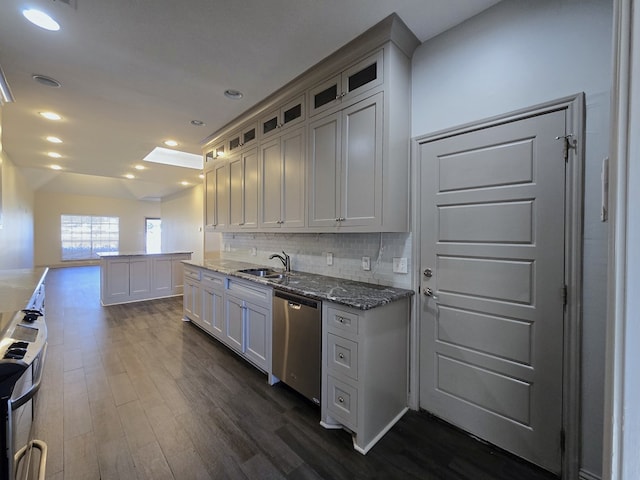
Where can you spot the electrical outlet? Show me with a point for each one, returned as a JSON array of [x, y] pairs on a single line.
[[329, 258], [400, 265], [366, 264]]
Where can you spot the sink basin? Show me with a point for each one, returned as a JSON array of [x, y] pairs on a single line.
[[263, 272]]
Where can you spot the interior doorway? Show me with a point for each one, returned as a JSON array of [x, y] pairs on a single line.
[[153, 235], [499, 233]]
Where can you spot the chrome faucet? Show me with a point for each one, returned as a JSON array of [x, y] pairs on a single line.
[[285, 259]]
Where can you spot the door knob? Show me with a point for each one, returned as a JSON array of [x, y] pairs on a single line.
[[429, 293]]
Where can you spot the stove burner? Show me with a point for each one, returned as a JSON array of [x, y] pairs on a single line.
[[31, 315], [16, 351]]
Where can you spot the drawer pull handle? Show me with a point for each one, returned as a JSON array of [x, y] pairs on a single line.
[[341, 399], [341, 356]]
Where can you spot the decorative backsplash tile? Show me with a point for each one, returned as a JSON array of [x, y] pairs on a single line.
[[308, 252]]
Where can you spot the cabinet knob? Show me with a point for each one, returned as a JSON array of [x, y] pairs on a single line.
[[341, 399], [340, 319], [341, 356]]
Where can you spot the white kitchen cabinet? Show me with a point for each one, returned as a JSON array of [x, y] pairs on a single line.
[[345, 167], [115, 281], [283, 116], [357, 119], [342, 89], [248, 321], [125, 279], [214, 153], [245, 137], [217, 186], [364, 369], [135, 277], [234, 311], [192, 295], [282, 182], [212, 291], [167, 274], [243, 193]]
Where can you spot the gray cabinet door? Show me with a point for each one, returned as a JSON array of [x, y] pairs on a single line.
[[234, 323], [293, 179], [236, 193], [361, 190], [324, 170], [257, 338], [213, 311], [270, 184], [139, 276], [221, 201], [250, 188]]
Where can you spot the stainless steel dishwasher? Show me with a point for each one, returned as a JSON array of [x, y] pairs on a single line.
[[296, 343]]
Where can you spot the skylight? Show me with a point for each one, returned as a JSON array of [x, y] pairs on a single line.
[[176, 158]]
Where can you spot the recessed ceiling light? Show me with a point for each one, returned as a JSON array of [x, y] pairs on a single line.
[[197, 123], [54, 155], [233, 94], [56, 167], [54, 140], [171, 143], [139, 167], [48, 81], [41, 19], [130, 176], [51, 115]]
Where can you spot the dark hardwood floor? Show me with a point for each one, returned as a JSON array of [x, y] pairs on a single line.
[[132, 392]]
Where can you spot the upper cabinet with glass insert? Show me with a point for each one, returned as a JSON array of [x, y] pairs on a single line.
[[289, 114], [245, 137], [347, 85]]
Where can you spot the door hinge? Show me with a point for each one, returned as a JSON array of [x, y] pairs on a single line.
[[569, 144], [565, 295]]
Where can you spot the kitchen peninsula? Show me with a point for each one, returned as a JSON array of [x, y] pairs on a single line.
[[136, 276]]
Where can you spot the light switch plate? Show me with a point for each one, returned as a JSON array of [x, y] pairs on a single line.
[[366, 264], [400, 265], [329, 258]]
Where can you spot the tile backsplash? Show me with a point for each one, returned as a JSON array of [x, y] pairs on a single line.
[[308, 252]]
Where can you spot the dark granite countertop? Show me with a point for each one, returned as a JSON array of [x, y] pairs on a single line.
[[360, 295]]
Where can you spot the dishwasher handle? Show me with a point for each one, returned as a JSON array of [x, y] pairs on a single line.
[[296, 301]]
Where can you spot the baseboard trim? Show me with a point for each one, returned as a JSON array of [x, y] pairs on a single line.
[[584, 475]]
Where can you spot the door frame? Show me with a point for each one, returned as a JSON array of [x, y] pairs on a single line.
[[574, 198]]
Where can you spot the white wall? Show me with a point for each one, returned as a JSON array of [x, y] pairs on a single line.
[[16, 234], [518, 54], [182, 215], [49, 206]]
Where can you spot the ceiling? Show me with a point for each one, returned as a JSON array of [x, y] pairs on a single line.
[[136, 72]]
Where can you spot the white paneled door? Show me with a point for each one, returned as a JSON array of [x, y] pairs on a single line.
[[492, 307]]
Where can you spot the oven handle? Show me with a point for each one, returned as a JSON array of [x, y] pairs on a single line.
[[28, 395], [40, 445]]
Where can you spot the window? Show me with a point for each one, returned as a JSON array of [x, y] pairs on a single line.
[[153, 235], [84, 236]]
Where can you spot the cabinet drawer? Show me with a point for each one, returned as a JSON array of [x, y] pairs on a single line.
[[342, 402], [250, 291], [213, 280], [192, 273], [342, 356], [341, 320]]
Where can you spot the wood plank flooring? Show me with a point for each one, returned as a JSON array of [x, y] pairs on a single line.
[[132, 392]]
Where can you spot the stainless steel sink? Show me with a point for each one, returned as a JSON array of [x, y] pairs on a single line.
[[263, 272]]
